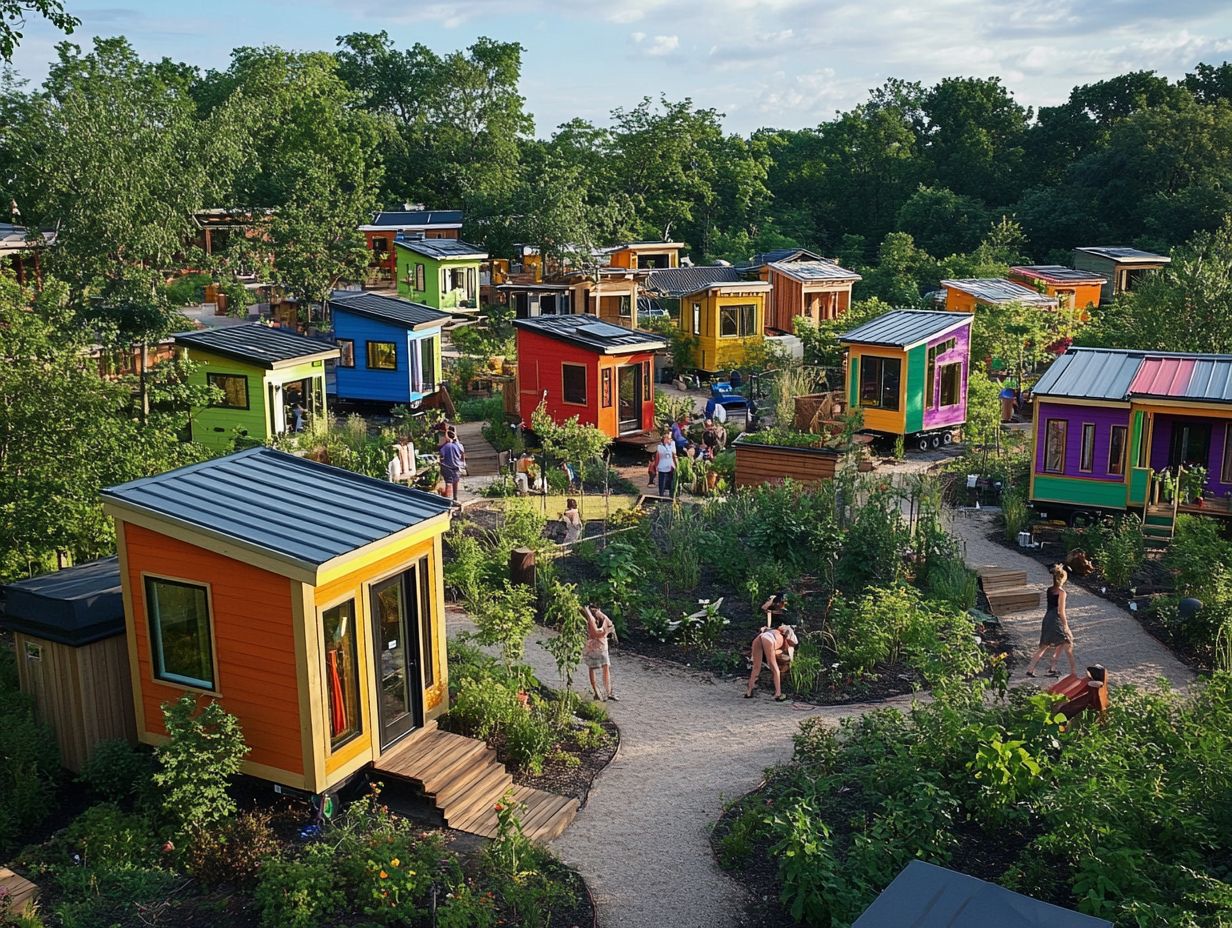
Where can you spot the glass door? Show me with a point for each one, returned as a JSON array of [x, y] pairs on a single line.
[[629, 388], [395, 637]]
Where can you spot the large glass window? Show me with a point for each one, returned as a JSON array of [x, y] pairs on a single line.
[[951, 384], [1117, 440], [427, 364], [382, 356], [574, 377], [1086, 459], [346, 350], [737, 321], [341, 673], [879, 382], [1054, 446], [234, 389], [180, 645]]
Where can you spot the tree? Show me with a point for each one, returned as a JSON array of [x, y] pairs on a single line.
[[13, 17], [204, 749], [902, 271], [943, 222]]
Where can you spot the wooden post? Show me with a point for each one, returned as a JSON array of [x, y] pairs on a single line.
[[522, 567]]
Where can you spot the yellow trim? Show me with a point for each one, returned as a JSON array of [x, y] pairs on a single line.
[[1124, 448], [213, 691], [130, 624], [360, 558], [251, 768], [311, 691], [1200, 410]]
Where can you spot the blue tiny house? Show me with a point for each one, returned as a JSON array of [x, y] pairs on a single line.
[[389, 348]]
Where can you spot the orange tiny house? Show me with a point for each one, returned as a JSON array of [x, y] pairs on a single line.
[[965, 295], [306, 599]]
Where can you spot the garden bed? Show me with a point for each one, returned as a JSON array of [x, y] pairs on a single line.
[[758, 463]]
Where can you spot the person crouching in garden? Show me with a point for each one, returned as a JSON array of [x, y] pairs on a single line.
[[594, 654], [776, 646], [1055, 635]]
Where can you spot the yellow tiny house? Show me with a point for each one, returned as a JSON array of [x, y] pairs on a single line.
[[727, 318]]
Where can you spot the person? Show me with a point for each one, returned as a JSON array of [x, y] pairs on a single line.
[[402, 466], [776, 646], [1055, 635], [442, 433], [776, 605], [573, 521], [594, 654], [716, 410], [452, 455], [297, 417], [679, 428], [710, 439], [524, 476], [575, 482], [665, 463]]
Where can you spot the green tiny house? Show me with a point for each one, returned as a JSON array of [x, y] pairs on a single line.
[[441, 273], [263, 373]]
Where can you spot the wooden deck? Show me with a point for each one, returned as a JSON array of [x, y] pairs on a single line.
[[465, 781], [18, 892], [1007, 591]]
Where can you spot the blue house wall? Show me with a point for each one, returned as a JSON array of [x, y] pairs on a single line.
[[360, 382]]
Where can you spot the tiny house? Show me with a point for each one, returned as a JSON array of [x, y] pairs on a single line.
[[1108, 422], [966, 295], [389, 349], [609, 293], [1120, 267], [814, 290], [907, 374], [388, 226], [643, 255], [719, 306], [1073, 289], [440, 273], [306, 599], [585, 367], [265, 375]]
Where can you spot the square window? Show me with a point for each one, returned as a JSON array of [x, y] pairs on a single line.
[[951, 384], [346, 352], [234, 389], [382, 356], [879, 382], [180, 644], [574, 383]]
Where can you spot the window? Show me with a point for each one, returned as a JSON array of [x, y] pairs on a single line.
[[382, 356], [1117, 440], [607, 388], [1225, 472], [879, 381], [1141, 427], [1054, 446], [646, 385], [346, 352], [421, 282], [951, 384], [626, 307], [427, 638], [737, 321], [234, 389], [697, 318], [427, 364], [930, 381], [341, 673], [574, 377], [180, 646], [1191, 444], [1086, 456]]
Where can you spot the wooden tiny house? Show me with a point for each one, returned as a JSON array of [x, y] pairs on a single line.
[[814, 290], [967, 295], [1073, 289], [1120, 267], [610, 293], [306, 599], [388, 226], [440, 273], [68, 628], [585, 367], [263, 375], [907, 374], [643, 255]]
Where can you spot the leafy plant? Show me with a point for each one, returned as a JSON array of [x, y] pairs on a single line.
[[234, 851], [204, 750], [504, 616], [117, 769]]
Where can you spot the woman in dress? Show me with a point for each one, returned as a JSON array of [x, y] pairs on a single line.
[[1055, 635], [594, 654], [573, 521], [776, 646]]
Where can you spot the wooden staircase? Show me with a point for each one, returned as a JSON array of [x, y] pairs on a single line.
[[1007, 591], [465, 781], [482, 460], [1159, 524]]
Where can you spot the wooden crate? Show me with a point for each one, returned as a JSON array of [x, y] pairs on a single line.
[[1015, 600], [758, 464]]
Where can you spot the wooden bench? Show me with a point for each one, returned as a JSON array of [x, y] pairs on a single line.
[[997, 578], [16, 892]]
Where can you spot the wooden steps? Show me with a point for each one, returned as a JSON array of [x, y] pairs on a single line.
[[1007, 591], [1159, 524], [19, 893], [465, 781], [482, 460]]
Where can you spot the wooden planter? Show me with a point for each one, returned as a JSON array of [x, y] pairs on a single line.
[[757, 464]]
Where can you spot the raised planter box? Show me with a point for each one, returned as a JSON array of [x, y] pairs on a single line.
[[757, 464]]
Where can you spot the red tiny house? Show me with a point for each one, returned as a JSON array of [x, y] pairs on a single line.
[[580, 366]]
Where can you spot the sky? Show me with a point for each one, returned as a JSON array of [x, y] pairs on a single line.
[[780, 63]]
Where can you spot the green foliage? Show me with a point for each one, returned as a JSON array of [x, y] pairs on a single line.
[[117, 769], [1015, 516], [504, 616], [299, 892], [188, 290], [480, 410], [234, 851], [29, 767], [683, 347], [13, 16], [204, 750], [1123, 551], [563, 611]]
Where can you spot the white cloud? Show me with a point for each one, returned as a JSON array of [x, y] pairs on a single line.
[[662, 45]]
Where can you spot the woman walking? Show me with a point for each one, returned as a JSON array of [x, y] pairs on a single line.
[[1055, 635], [573, 521], [594, 654]]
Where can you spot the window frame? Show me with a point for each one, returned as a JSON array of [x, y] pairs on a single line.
[[879, 364], [1064, 434], [745, 315], [368, 365], [1086, 448], [697, 319], [564, 388], [427, 628], [334, 746], [346, 348], [1116, 465], [605, 392], [420, 283], [211, 376], [154, 641], [624, 309], [426, 384], [942, 373]]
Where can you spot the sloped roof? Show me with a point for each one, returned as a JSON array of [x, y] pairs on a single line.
[[1057, 274], [808, 271], [903, 328], [681, 281], [591, 332], [1207, 378], [999, 290], [1124, 255], [1090, 373], [416, 218], [258, 344], [19, 238], [288, 507], [387, 309], [779, 255], [442, 249]]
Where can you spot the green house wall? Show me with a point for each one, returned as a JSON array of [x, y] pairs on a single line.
[[1100, 493], [917, 372], [431, 294]]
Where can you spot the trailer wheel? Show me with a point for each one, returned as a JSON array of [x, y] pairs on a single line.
[[936, 441], [947, 438], [923, 443]]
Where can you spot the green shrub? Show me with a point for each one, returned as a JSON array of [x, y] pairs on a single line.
[[29, 768], [232, 852], [591, 736], [1014, 513], [528, 738], [299, 892], [1123, 552], [483, 706], [951, 581], [480, 410], [117, 769], [204, 750], [592, 711], [188, 290], [464, 907]]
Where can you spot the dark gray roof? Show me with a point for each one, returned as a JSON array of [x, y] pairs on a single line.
[[903, 328], [73, 606], [999, 290], [591, 332], [924, 895], [1122, 253], [294, 509], [258, 344], [681, 281], [1090, 373], [783, 254], [442, 249], [387, 309], [418, 217], [1057, 273], [814, 270]]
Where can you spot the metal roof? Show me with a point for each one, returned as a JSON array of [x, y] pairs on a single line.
[[1090, 373], [779, 255], [442, 249], [387, 309], [1123, 254], [637, 246], [1206, 378], [681, 281], [591, 332], [258, 344], [1117, 374], [999, 290], [814, 270], [1057, 274], [416, 218], [289, 507], [903, 328], [73, 606]]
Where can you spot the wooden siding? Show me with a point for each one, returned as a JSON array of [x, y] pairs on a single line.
[[715, 352], [83, 693], [960, 302], [758, 464], [254, 645], [791, 298]]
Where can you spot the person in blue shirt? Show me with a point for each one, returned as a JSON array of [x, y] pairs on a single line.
[[452, 456], [678, 434]]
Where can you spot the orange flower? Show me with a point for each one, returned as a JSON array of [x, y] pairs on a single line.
[[499, 807], [384, 875]]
